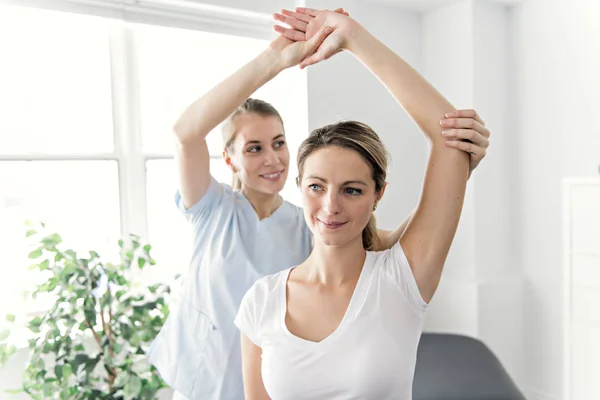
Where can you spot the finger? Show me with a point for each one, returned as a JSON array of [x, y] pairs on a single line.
[[313, 44], [319, 53], [465, 123], [292, 22], [342, 11], [291, 34], [310, 11], [477, 153], [465, 113], [467, 134], [313, 59], [301, 17]]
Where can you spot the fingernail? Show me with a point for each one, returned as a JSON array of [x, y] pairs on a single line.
[[444, 132], [443, 122], [328, 30], [448, 115]]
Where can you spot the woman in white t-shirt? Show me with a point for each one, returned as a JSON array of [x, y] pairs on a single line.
[[345, 323]]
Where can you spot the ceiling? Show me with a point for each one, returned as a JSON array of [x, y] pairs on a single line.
[[427, 5]]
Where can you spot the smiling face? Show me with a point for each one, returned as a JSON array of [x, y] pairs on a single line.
[[259, 153], [338, 196]]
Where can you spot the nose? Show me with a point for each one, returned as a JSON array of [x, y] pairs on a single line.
[[271, 158], [331, 205]]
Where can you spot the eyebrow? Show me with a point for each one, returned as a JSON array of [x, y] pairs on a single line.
[[280, 136], [353, 182]]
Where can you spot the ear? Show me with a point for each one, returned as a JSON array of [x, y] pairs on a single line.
[[379, 195], [229, 161]]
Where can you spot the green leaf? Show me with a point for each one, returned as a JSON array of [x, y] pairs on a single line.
[[44, 265], [147, 248], [10, 318], [133, 387], [35, 254], [141, 262], [58, 371], [48, 389], [121, 243], [67, 371], [122, 379], [30, 232]]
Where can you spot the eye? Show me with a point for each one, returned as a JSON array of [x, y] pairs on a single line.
[[253, 149], [353, 191], [279, 144], [314, 187]]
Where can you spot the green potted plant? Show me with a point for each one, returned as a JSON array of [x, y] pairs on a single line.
[[92, 342]]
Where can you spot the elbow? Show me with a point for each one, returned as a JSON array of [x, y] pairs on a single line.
[[185, 134]]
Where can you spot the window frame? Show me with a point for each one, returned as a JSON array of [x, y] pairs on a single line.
[[127, 138], [128, 151]]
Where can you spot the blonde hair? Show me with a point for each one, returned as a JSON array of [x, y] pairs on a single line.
[[228, 130], [355, 136]]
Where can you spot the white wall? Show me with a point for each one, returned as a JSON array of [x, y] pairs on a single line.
[[556, 48], [465, 51]]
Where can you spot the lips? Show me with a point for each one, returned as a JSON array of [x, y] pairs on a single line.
[[331, 224], [273, 176]]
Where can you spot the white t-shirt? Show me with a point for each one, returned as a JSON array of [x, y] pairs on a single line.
[[371, 355]]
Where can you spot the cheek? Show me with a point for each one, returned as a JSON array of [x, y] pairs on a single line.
[[251, 163], [310, 204], [362, 211]]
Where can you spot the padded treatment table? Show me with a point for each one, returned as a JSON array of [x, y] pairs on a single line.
[[456, 367]]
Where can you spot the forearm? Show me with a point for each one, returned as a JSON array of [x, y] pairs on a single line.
[[425, 105], [203, 115]]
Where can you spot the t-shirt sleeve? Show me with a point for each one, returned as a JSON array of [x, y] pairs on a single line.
[[247, 318], [399, 269], [203, 207]]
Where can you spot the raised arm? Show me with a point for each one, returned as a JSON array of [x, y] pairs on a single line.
[[469, 133], [204, 114], [429, 233]]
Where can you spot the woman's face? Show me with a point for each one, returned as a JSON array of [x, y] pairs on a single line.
[[338, 193], [261, 156]]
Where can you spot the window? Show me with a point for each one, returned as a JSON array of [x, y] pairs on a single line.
[[85, 142]]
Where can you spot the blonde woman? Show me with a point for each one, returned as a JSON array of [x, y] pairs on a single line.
[[346, 322]]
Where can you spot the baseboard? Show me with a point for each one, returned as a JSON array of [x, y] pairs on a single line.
[[536, 394]]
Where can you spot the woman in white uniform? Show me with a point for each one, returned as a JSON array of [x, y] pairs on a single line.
[[241, 233], [345, 323]]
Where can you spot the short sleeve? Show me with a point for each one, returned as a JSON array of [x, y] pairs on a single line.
[[246, 318], [396, 265], [211, 199]]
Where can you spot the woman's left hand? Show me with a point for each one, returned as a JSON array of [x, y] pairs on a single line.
[[305, 22], [465, 130]]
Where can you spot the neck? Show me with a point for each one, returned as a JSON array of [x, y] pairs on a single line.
[[335, 265], [264, 204]]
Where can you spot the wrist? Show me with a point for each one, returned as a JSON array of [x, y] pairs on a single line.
[[356, 35], [270, 61]]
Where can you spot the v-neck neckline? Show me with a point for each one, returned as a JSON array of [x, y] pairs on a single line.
[[270, 217], [354, 304]]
